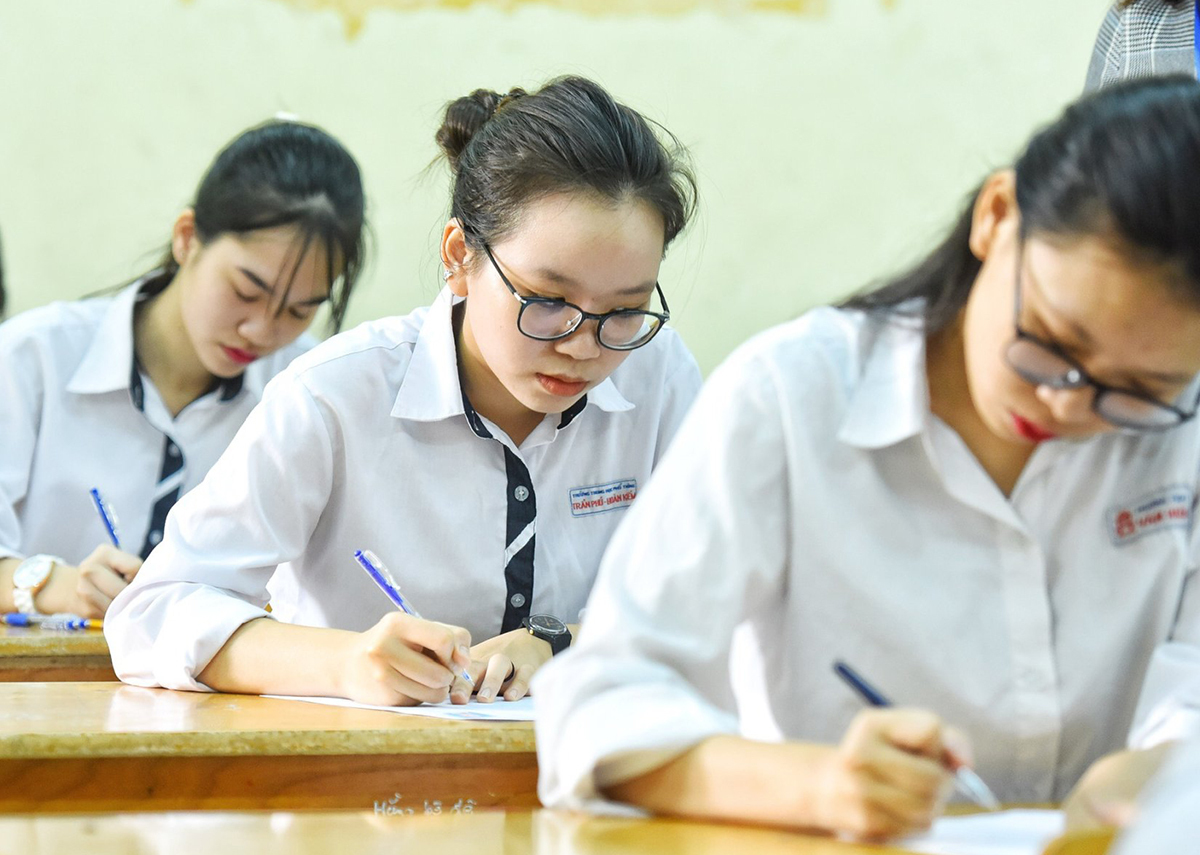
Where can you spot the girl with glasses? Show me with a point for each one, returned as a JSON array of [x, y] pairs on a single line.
[[482, 449], [992, 522], [136, 394]]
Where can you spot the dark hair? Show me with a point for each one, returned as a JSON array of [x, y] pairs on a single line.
[[285, 173], [1124, 3], [1122, 163], [508, 151]]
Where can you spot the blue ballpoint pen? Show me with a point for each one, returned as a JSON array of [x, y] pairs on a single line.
[[107, 516], [382, 577], [966, 778]]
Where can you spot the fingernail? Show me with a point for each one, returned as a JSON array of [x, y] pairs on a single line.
[[464, 652], [485, 696]]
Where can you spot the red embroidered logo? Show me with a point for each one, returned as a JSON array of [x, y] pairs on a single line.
[[1170, 507]]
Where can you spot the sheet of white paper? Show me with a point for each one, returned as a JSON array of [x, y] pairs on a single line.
[[1006, 832], [521, 710]]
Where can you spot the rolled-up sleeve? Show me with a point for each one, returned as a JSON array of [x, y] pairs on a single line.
[[703, 547], [256, 509]]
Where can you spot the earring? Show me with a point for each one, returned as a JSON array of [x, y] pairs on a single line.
[[446, 274]]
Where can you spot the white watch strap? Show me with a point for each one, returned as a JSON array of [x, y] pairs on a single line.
[[23, 600]]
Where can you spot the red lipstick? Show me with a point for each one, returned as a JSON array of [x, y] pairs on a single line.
[[1030, 431], [241, 357]]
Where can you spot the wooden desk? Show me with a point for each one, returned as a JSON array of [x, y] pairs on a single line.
[[521, 832], [31, 653], [86, 747]]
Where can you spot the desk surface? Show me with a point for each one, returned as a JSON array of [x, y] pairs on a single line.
[[539, 832], [31, 653], [106, 746]]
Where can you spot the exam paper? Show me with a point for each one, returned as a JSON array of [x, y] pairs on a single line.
[[499, 710], [1005, 832]]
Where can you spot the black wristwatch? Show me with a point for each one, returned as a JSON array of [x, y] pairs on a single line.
[[549, 629]]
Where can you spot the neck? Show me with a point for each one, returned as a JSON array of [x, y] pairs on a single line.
[[485, 391], [950, 400], [165, 351]]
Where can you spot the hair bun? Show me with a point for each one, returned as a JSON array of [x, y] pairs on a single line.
[[466, 115]]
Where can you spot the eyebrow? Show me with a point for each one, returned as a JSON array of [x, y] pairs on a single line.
[[1089, 343], [270, 289], [558, 278]]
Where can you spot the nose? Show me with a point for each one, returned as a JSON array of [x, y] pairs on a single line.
[[260, 327], [1068, 406], [582, 343]]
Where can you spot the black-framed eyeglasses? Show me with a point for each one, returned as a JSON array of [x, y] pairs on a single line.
[[549, 318], [1044, 364]]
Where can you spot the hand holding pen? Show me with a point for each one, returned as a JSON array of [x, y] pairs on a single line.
[[106, 572], [405, 659], [965, 778]]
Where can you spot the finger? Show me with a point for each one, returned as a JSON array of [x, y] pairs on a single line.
[[124, 563], [922, 776], [493, 678], [444, 642], [460, 690], [519, 687], [94, 602], [915, 731], [104, 580]]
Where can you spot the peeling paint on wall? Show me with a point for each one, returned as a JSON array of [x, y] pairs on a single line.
[[354, 12]]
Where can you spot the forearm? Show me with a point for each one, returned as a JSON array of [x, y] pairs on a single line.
[[7, 566], [731, 778], [265, 656]]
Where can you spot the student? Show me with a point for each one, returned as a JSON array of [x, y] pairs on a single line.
[[138, 393], [484, 448], [975, 485], [1165, 823], [1141, 38]]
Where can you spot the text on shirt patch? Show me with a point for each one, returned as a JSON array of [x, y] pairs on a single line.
[[1170, 507], [603, 497]]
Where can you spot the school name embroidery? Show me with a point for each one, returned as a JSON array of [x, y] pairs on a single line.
[[1170, 507], [603, 497]]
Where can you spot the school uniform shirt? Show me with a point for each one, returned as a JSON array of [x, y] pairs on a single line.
[[1146, 39], [367, 442], [76, 413], [814, 505], [1165, 823]]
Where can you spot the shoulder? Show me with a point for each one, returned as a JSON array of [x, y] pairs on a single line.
[[62, 331], [358, 360]]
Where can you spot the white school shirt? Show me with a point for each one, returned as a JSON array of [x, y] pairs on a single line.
[[814, 504], [76, 413], [1166, 821], [366, 443]]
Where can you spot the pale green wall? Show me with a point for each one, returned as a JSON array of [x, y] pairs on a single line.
[[831, 145]]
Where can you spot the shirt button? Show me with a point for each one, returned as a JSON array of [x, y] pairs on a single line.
[[517, 600], [521, 493], [173, 449], [155, 537]]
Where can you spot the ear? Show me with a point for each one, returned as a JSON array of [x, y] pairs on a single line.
[[184, 243], [995, 215], [455, 257]]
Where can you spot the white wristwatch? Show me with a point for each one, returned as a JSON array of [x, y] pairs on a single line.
[[29, 578]]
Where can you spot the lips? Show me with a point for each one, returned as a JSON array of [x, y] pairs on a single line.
[[241, 357], [1030, 431], [563, 387]]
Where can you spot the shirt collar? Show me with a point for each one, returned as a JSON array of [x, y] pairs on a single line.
[[431, 391], [890, 402], [110, 363]]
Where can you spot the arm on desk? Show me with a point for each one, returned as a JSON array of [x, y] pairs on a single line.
[[400, 661], [885, 779], [86, 590]]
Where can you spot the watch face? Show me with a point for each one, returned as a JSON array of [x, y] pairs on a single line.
[[547, 624], [32, 572]]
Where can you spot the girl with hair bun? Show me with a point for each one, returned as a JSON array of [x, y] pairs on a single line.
[[976, 485], [137, 394], [483, 448]]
